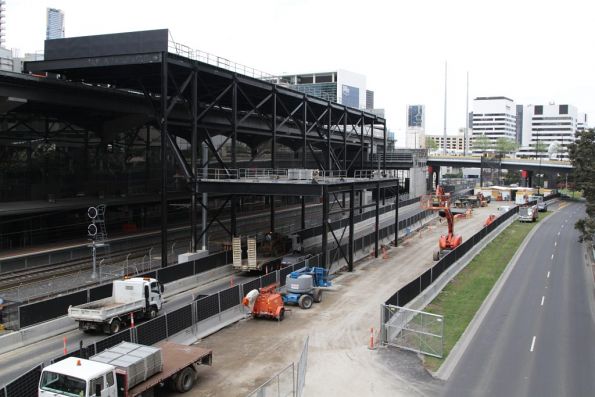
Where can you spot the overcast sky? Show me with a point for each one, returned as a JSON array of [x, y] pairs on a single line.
[[531, 51]]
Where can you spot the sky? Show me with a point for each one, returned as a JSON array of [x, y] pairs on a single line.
[[533, 52]]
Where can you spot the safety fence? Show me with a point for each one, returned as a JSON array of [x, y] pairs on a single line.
[[200, 312], [289, 382], [49, 309]]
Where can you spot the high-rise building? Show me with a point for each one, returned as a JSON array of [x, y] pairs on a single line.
[[54, 24], [454, 143], [341, 86], [493, 118], [582, 122], [548, 130], [2, 22], [415, 136]]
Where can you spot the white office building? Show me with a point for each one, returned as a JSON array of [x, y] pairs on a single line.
[[494, 118], [54, 24], [548, 130], [2, 22], [415, 133]]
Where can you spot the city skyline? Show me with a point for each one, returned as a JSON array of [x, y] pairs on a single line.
[[409, 44]]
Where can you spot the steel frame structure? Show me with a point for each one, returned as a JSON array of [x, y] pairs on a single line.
[[196, 101]]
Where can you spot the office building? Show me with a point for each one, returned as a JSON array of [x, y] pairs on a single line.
[[2, 22], [454, 143], [548, 130], [415, 136], [54, 24], [582, 122], [493, 118], [341, 86]]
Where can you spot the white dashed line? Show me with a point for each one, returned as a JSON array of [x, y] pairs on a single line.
[[555, 243], [532, 344], [552, 256], [548, 274], [558, 233], [542, 299]]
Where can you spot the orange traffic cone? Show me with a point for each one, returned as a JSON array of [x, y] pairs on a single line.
[[371, 346]]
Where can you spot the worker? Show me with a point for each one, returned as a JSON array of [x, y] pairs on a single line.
[[269, 237]]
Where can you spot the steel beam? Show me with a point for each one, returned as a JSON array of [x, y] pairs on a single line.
[[234, 137], [325, 227], [377, 223], [351, 228], [194, 148], [164, 92], [397, 217]]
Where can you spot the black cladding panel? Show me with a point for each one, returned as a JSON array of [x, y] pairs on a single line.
[[147, 41]]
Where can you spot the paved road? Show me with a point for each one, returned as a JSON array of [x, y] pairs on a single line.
[[537, 338]]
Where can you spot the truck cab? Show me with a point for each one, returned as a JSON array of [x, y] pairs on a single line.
[[77, 377]]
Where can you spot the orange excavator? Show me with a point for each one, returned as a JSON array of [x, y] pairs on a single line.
[[440, 202]]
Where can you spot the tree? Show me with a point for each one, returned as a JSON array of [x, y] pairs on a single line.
[[431, 144], [540, 147], [506, 146], [482, 143], [582, 156]]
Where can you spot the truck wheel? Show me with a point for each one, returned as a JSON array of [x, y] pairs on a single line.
[[185, 380], [305, 301], [318, 295], [281, 315], [152, 313], [114, 327]]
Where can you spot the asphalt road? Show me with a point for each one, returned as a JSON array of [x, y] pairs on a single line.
[[537, 338]]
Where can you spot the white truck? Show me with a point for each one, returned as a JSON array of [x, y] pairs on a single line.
[[541, 203], [125, 370], [137, 296], [528, 213]]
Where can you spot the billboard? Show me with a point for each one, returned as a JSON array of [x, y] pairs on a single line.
[[350, 96], [415, 116]]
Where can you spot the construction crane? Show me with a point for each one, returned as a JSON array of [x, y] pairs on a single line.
[[440, 202]]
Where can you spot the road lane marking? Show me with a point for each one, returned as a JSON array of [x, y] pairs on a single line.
[[555, 243], [542, 299], [532, 344], [548, 274], [552, 256]]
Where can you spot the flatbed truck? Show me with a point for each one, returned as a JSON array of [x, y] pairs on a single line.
[[133, 371]]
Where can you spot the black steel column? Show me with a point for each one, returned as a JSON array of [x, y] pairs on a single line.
[[304, 131], [329, 164], [344, 139], [234, 137], [325, 227], [194, 149], [377, 224], [148, 159], [361, 200], [273, 154], [384, 150], [397, 216], [361, 155], [303, 212], [164, 78], [351, 229]]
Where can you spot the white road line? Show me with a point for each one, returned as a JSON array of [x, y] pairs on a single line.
[[542, 299], [552, 256], [532, 344], [558, 233], [548, 274], [555, 243]]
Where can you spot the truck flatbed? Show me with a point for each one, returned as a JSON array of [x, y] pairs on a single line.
[[175, 357]]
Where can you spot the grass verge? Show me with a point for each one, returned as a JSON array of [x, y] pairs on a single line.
[[464, 294]]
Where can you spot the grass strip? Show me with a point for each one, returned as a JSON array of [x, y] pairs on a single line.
[[464, 294]]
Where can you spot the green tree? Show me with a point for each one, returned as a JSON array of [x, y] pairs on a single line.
[[431, 144], [505, 146], [582, 156], [482, 143], [540, 147]]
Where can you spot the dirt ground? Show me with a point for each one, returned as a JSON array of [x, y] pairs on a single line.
[[249, 352]]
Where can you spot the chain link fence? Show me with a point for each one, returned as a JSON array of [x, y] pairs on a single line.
[[413, 330], [289, 382]]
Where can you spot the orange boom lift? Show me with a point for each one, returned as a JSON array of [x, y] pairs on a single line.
[[440, 202]]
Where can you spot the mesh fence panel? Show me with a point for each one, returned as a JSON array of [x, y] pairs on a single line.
[[207, 307], [152, 331], [113, 340], [179, 320], [229, 298], [26, 385]]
